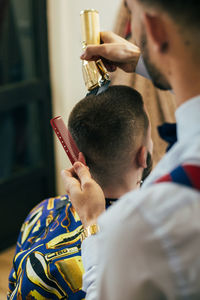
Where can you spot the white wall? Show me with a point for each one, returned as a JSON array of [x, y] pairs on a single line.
[[65, 49]]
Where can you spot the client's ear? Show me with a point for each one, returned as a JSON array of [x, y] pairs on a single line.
[[81, 158], [141, 157]]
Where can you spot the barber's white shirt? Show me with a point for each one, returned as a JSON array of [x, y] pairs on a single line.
[[149, 244]]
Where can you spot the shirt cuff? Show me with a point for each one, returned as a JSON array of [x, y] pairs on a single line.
[[89, 253], [141, 68]]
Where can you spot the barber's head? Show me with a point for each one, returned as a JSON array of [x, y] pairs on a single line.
[[112, 131], [167, 32]]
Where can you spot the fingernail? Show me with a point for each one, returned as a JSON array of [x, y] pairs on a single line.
[[77, 165], [82, 56]]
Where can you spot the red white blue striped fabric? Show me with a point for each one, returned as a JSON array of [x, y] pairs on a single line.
[[187, 175]]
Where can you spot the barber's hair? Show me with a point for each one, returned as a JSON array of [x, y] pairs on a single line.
[[108, 129], [184, 12]]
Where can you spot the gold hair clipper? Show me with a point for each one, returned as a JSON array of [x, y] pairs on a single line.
[[95, 74]]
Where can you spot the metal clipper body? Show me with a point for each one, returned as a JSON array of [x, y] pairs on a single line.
[[94, 72]]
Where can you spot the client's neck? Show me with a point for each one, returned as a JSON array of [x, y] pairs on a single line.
[[116, 191], [128, 181], [113, 194]]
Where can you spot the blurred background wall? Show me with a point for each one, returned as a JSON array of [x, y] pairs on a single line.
[[64, 51]]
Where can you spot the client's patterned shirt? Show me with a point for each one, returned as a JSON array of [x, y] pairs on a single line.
[[47, 262]]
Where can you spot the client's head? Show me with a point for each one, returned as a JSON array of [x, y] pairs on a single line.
[[112, 131]]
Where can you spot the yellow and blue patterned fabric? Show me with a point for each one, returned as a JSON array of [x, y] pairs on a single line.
[[47, 263]]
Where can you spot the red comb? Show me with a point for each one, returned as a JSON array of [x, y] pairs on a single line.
[[65, 138]]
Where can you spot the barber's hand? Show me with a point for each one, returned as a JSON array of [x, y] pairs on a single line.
[[85, 194], [115, 52]]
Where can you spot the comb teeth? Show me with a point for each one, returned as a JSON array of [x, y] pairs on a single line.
[[65, 138]]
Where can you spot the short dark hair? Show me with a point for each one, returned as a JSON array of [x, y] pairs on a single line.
[[185, 12], [107, 129]]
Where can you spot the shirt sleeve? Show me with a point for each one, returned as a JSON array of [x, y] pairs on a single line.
[[141, 68], [142, 251], [112, 272], [89, 252], [125, 271]]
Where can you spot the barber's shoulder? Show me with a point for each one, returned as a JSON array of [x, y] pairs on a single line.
[[163, 200], [152, 206]]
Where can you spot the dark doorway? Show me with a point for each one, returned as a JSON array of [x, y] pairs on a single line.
[[26, 144]]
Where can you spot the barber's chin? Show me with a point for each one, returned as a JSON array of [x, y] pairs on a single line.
[[161, 86]]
